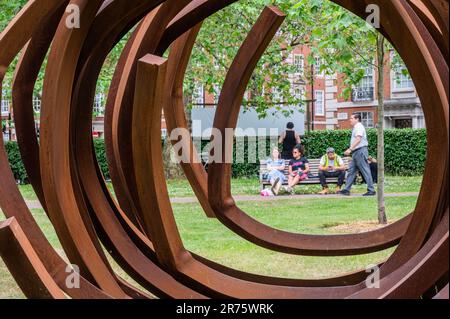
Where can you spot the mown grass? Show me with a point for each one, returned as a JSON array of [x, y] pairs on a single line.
[[209, 238], [181, 188]]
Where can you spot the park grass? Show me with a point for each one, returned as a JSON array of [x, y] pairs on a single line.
[[209, 238], [180, 187]]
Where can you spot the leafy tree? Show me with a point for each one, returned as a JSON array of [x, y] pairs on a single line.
[[220, 38], [349, 45]]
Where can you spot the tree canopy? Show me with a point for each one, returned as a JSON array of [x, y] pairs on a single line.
[[345, 43]]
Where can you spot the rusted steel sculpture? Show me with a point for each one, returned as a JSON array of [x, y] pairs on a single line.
[[138, 229]]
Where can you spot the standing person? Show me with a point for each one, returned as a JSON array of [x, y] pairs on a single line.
[[298, 168], [331, 165], [275, 166], [359, 149], [289, 139]]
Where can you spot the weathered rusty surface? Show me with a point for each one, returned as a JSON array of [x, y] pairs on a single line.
[[24, 264], [139, 230]]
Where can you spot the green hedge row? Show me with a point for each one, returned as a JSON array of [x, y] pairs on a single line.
[[405, 151], [18, 169]]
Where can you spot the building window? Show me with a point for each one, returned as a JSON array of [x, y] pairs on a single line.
[[364, 91], [299, 94], [317, 65], [277, 96], [299, 63], [199, 96], [99, 107], [402, 80], [403, 123], [216, 94], [320, 102], [5, 106], [367, 119], [37, 105]]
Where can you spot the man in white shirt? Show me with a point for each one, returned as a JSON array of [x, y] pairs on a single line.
[[360, 155]]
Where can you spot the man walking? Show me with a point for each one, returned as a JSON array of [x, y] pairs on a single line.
[[360, 155], [331, 165]]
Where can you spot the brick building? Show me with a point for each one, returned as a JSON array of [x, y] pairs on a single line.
[[325, 106], [328, 109]]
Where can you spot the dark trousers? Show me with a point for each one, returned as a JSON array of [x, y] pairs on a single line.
[[359, 163], [374, 173], [324, 174]]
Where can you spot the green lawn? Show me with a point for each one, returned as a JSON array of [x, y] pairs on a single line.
[[209, 238], [181, 188]]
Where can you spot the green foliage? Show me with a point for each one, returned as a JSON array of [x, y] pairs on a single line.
[[15, 162], [270, 84], [343, 42], [405, 149], [100, 151], [20, 174], [316, 142], [405, 152]]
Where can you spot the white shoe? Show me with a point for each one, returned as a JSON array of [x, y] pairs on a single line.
[[290, 190]]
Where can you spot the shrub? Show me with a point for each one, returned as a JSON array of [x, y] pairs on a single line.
[[15, 162], [405, 149], [405, 152]]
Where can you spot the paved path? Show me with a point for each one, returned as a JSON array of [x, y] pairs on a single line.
[[254, 198]]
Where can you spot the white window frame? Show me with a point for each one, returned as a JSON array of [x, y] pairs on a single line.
[[5, 106], [299, 92], [366, 83], [37, 104], [216, 89], [369, 73], [299, 63], [317, 64], [316, 104], [277, 96], [99, 107], [365, 118], [199, 96], [397, 75]]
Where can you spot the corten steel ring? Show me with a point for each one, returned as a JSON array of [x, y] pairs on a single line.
[[138, 229]]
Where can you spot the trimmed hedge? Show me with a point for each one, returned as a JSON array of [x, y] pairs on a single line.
[[405, 152], [15, 162], [405, 149], [20, 174], [100, 151]]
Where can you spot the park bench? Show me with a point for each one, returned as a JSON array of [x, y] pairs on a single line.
[[313, 174]]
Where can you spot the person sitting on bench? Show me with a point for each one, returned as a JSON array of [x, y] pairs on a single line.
[[331, 165], [298, 168], [275, 166]]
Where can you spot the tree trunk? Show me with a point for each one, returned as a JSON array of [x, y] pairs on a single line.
[[188, 111], [382, 219]]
